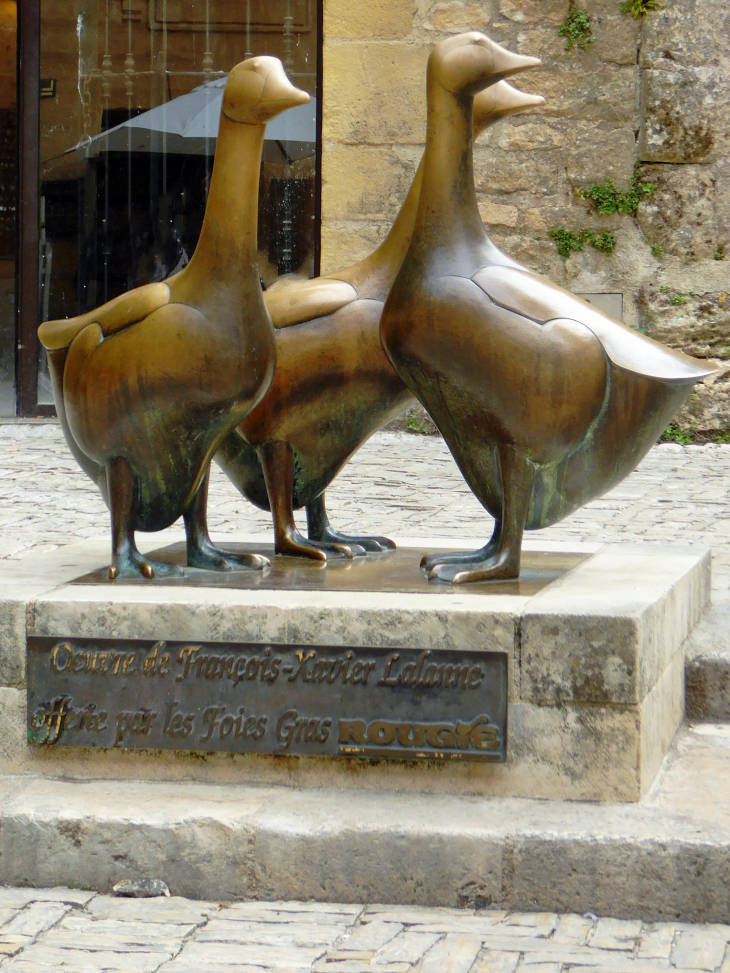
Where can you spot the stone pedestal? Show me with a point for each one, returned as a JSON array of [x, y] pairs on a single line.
[[595, 662]]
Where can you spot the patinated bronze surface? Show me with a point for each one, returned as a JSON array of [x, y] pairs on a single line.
[[148, 385], [278, 698], [333, 386], [391, 570], [544, 401]]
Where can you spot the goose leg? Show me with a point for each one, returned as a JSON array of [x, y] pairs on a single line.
[[201, 551], [126, 559], [320, 529], [500, 560], [277, 461]]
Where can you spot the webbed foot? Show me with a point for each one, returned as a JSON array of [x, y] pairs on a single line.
[[367, 544], [130, 563], [293, 544], [429, 561], [499, 566], [321, 531], [212, 558]]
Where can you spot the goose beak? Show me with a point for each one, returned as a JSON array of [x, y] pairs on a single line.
[[499, 101], [506, 63]]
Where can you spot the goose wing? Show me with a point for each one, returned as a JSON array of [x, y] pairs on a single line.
[[119, 313], [532, 295], [304, 300]]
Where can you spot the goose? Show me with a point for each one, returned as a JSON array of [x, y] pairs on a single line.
[[333, 386], [544, 401], [148, 385]]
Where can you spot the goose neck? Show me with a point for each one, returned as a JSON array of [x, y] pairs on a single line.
[[227, 243], [448, 204]]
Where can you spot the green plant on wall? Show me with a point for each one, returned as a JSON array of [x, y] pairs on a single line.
[[576, 28], [675, 434], [639, 8], [608, 198], [570, 241]]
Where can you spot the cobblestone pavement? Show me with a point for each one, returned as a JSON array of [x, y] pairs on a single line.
[[402, 485], [397, 484], [69, 931]]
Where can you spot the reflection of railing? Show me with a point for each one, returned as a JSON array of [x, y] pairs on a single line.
[[8, 181]]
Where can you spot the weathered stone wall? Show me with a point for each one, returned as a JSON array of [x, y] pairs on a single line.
[[654, 91]]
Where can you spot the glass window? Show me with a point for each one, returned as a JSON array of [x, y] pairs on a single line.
[[8, 201], [130, 99]]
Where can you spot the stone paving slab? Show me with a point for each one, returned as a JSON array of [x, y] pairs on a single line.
[[82, 938]]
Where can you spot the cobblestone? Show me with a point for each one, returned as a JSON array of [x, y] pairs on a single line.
[[62, 932]]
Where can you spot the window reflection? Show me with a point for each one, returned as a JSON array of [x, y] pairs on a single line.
[[128, 137]]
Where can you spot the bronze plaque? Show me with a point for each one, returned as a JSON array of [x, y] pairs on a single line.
[[397, 570], [267, 698]]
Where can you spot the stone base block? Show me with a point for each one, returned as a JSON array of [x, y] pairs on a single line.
[[595, 664], [666, 857]]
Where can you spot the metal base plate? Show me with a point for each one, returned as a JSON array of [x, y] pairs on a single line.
[[397, 570]]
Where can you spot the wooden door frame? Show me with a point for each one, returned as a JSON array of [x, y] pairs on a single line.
[[29, 36]]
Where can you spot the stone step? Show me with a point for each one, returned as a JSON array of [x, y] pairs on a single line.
[[707, 667], [666, 857]]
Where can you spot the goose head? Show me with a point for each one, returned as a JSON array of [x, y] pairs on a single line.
[[499, 101], [465, 64], [258, 89]]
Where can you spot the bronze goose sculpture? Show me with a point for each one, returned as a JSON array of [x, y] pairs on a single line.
[[333, 386], [147, 386], [544, 401]]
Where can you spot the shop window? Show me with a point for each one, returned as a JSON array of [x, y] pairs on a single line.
[[129, 106]]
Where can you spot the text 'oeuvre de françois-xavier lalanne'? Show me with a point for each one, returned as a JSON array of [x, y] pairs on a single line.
[[295, 699]]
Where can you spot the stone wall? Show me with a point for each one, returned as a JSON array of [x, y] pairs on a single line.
[[653, 91]]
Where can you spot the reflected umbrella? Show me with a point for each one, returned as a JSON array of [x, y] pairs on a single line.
[[188, 125]]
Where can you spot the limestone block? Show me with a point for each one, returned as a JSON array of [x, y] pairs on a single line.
[[662, 713], [345, 243], [690, 33], [539, 255], [374, 20], [533, 11], [572, 649], [540, 40], [496, 171], [12, 729], [348, 848], [685, 115], [681, 215], [615, 35], [365, 182], [598, 746], [615, 872], [597, 153], [45, 836], [497, 214], [696, 322], [12, 638], [579, 658], [607, 95], [455, 17], [375, 92], [520, 136]]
